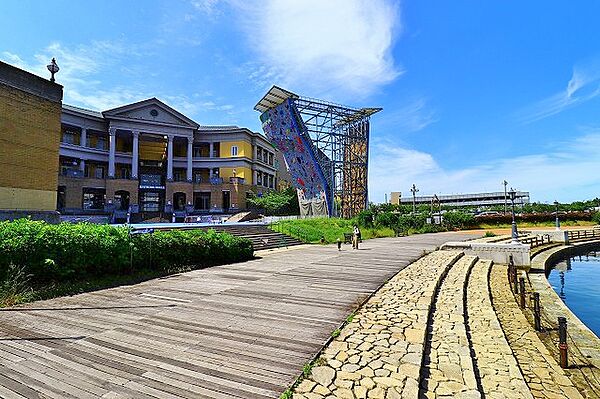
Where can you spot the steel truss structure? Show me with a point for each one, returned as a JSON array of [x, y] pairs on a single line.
[[340, 136]]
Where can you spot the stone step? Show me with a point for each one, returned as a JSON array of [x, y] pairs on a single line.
[[541, 372], [449, 369], [379, 353], [498, 371]]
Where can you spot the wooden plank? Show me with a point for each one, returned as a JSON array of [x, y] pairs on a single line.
[[234, 331]]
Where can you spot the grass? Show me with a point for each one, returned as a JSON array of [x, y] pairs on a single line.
[[330, 229], [16, 288]]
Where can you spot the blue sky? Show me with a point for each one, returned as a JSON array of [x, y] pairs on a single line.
[[473, 92]]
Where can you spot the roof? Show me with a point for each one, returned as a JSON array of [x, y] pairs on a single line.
[[155, 101], [275, 96], [84, 111]]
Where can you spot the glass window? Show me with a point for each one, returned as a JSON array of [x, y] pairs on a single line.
[[93, 198], [234, 150], [101, 143], [99, 172], [68, 137]]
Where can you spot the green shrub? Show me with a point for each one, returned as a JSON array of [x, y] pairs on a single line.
[[459, 220], [596, 218], [65, 252]]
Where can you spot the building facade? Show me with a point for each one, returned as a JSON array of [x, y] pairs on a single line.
[[147, 158], [30, 115], [463, 200]]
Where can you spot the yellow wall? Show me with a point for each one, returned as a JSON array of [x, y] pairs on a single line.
[[30, 132], [27, 199], [244, 149], [244, 173]]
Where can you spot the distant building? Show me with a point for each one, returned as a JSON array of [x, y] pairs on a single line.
[[463, 200], [30, 111], [395, 197]]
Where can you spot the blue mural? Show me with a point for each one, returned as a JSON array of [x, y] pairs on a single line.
[[285, 128]]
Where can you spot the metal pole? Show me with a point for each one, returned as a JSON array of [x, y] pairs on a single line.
[[557, 221], [522, 292], [536, 311], [562, 339], [505, 183]]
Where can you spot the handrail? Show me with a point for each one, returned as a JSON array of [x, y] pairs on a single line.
[[583, 234]]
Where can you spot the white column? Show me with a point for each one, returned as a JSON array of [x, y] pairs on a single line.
[[212, 147], [135, 154], [170, 159], [112, 146], [83, 139], [82, 165], [255, 177], [210, 174], [189, 158]]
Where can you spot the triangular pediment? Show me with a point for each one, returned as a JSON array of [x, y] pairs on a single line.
[[151, 110]]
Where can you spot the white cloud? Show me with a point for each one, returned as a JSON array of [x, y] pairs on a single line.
[[208, 7], [567, 172], [411, 117], [82, 70], [338, 46], [583, 86]]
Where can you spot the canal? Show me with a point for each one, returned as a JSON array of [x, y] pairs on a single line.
[[577, 282]]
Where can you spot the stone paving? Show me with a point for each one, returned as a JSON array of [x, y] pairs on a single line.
[[542, 373], [449, 369], [499, 372], [379, 353], [447, 326]]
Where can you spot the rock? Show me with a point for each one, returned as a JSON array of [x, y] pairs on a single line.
[[323, 375]]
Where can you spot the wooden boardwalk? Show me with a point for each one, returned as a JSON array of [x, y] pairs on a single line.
[[237, 331]]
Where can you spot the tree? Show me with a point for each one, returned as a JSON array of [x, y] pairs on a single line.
[[276, 202]]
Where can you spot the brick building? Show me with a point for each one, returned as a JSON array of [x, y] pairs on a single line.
[[30, 114], [149, 159]]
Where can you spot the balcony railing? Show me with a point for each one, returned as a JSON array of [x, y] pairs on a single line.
[[71, 172], [216, 180], [237, 180]]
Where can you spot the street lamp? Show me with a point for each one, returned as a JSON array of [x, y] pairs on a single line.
[[53, 68], [515, 234], [414, 190], [557, 221], [505, 183]]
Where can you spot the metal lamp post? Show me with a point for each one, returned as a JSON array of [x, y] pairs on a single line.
[[557, 221], [515, 234], [53, 68], [414, 190], [504, 182]]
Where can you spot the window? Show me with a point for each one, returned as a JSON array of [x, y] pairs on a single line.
[[124, 173], [68, 137], [93, 198], [270, 159], [101, 143], [99, 172], [234, 150]]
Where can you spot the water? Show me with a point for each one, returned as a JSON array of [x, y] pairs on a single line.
[[577, 282]]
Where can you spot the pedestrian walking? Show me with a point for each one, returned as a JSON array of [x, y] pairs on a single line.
[[355, 237]]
